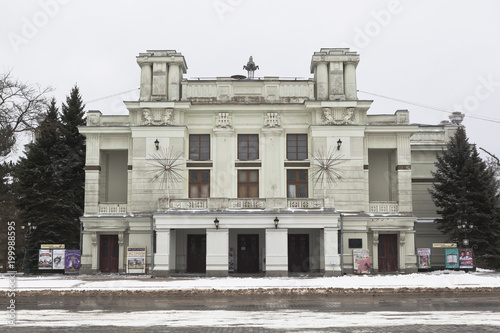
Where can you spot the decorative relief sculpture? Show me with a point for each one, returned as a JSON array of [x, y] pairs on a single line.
[[223, 120], [272, 120], [338, 117], [157, 117]]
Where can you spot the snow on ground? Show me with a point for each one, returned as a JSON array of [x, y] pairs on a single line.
[[437, 279], [278, 319]]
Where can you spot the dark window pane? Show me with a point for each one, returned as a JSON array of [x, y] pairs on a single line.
[[199, 147]]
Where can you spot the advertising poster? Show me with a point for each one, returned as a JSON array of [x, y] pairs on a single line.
[[136, 259], [465, 258], [72, 262], [58, 259], [424, 258], [44, 259], [361, 260], [451, 256]]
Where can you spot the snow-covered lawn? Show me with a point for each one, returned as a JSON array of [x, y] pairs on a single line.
[[437, 279]]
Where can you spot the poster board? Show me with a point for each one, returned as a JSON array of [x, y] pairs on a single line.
[[451, 258], [361, 261], [58, 259], [72, 262], [44, 259], [465, 258], [424, 258], [136, 259]]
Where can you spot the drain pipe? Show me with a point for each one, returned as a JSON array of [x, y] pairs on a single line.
[[152, 242], [341, 244]]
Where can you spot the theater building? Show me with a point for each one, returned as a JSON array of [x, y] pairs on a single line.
[[255, 175]]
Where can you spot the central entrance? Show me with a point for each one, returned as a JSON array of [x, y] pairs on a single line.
[[196, 254], [388, 253], [108, 256], [248, 253], [298, 253]]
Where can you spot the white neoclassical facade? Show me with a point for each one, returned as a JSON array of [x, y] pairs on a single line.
[[251, 175]]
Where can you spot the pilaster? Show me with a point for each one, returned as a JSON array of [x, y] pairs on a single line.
[[162, 255], [217, 252], [331, 255], [276, 252]]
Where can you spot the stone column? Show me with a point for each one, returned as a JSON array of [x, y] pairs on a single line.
[[160, 72], [331, 252], [350, 81], [272, 156], [402, 252], [174, 82], [121, 253], [403, 169], [336, 81], [146, 79], [217, 252], [223, 172], [321, 81], [92, 171], [375, 252], [162, 255], [94, 252], [277, 252]]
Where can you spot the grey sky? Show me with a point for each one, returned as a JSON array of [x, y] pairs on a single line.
[[442, 54]]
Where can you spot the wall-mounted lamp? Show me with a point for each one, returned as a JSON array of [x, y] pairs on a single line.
[[339, 143], [276, 221], [216, 222], [157, 144]]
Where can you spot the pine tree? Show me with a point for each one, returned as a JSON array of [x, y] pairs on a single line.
[[73, 115], [40, 185], [466, 189]]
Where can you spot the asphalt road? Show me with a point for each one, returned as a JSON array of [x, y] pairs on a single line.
[[270, 306]]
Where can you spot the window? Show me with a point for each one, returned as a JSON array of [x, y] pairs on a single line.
[[248, 183], [297, 183], [248, 147], [296, 147], [199, 147], [199, 183], [355, 243]]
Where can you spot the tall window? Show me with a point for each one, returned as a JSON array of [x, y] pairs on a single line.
[[248, 147], [248, 183], [199, 183], [199, 147], [296, 183], [296, 147]]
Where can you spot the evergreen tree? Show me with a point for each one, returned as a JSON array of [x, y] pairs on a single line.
[[41, 185], [466, 189], [73, 115]]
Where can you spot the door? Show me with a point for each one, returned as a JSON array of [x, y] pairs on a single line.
[[197, 254], [108, 256], [388, 253], [248, 253], [298, 253]]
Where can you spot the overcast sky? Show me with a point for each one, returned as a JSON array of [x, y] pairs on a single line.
[[435, 54]]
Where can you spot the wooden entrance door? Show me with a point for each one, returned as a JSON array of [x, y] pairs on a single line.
[[108, 256], [248, 253], [197, 254], [298, 253], [388, 253]]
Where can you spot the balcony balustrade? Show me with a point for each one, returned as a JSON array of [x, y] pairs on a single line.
[[384, 207], [239, 204], [113, 208]]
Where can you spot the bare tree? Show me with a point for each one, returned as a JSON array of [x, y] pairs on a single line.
[[21, 106]]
